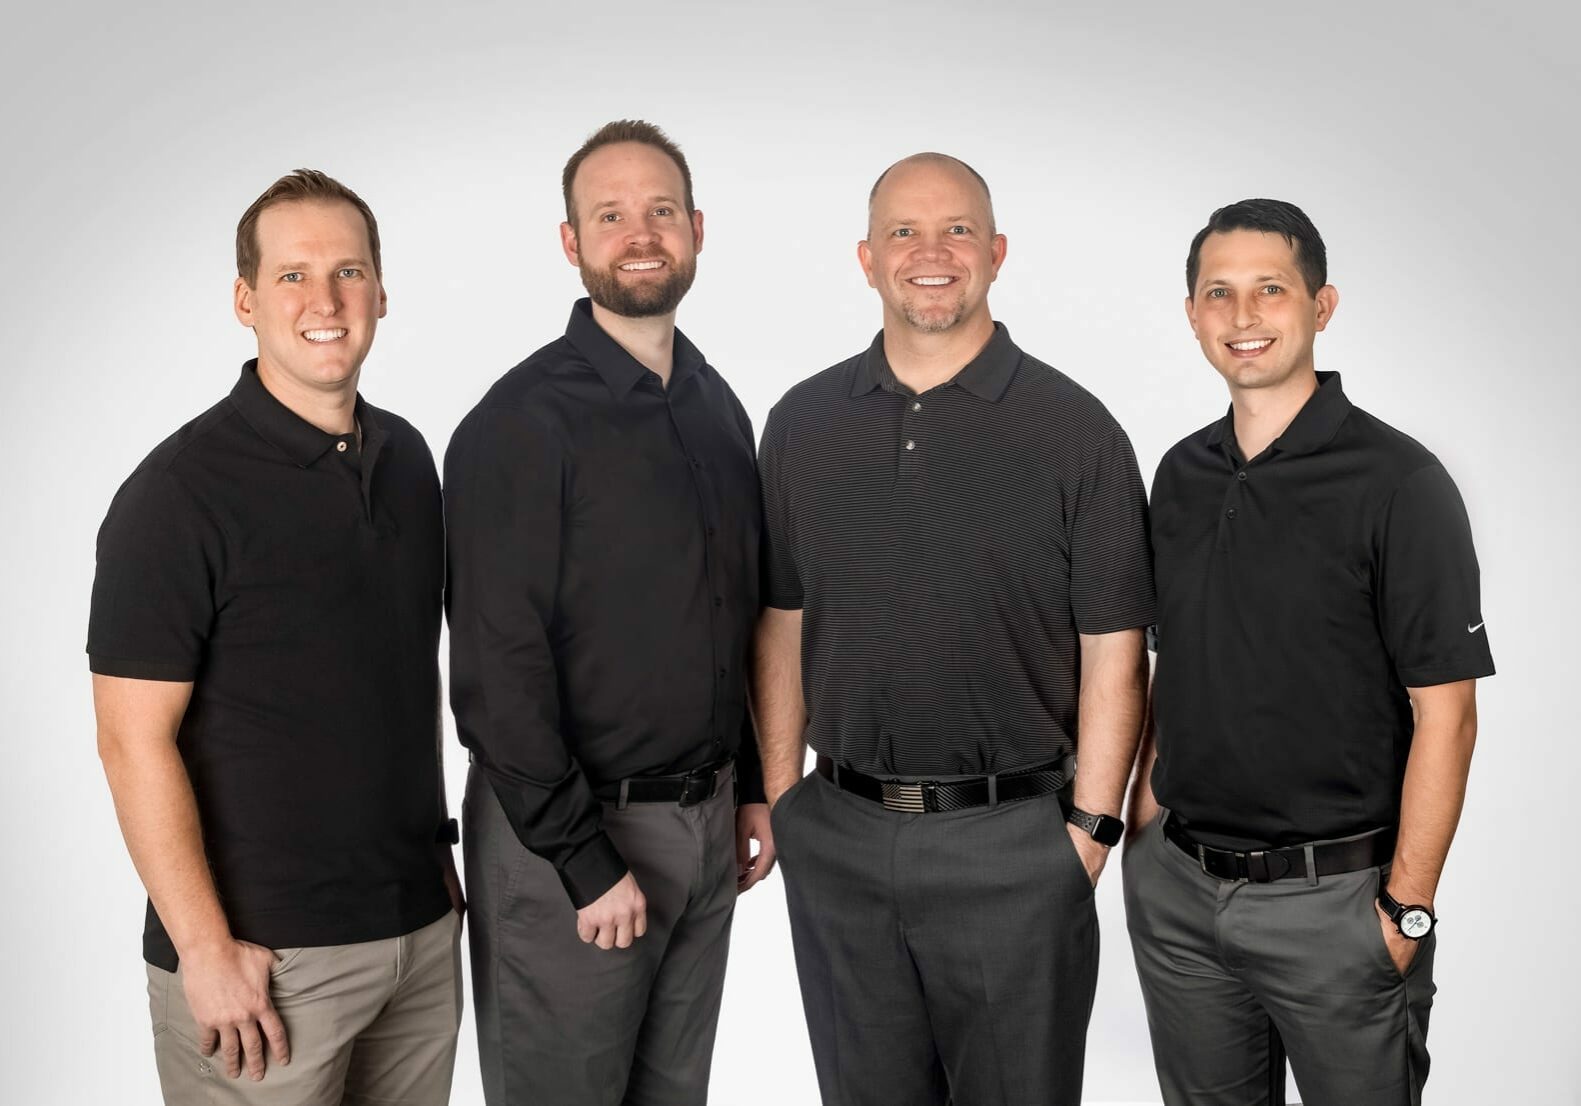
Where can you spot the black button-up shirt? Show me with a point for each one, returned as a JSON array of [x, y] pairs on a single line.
[[946, 549], [1300, 594], [297, 583], [603, 535]]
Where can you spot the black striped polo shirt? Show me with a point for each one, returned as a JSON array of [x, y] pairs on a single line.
[[946, 549]]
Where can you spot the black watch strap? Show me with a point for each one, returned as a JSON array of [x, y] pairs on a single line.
[[1413, 920], [1102, 828]]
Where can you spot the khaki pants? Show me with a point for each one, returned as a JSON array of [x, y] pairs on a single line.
[[373, 1022]]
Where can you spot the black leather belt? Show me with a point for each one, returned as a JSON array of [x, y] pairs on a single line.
[[688, 789], [1328, 858], [935, 796]]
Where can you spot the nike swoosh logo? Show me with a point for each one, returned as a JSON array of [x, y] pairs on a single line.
[[1470, 629]]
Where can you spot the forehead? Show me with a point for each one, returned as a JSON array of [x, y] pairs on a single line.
[[627, 167], [928, 188], [1234, 251], [307, 225]]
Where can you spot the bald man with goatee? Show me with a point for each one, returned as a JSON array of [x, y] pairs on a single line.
[[964, 529]]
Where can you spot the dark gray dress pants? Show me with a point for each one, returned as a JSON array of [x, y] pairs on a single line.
[[942, 957], [1224, 963], [563, 1023]]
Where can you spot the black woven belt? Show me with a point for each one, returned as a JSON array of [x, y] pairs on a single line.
[[688, 789], [1329, 858], [936, 796]]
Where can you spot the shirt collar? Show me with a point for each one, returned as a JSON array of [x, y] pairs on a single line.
[[1313, 427], [289, 432], [619, 370], [986, 376]]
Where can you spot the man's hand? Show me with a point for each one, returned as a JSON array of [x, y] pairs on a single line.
[[1093, 855], [1402, 950], [227, 989], [752, 824], [616, 918]]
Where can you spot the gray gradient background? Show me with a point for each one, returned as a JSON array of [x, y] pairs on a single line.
[[1435, 152]]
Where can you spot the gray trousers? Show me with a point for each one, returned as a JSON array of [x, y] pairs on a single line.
[[1226, 968], [563, 1022], [943, 957]]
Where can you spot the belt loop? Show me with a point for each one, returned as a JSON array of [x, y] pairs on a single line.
[[625, 788], [836, 772], [993, 790], [1311, 867]]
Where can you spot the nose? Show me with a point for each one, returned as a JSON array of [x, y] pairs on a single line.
[[1246, 315], [641, 232], [932, 247], [325, 297]]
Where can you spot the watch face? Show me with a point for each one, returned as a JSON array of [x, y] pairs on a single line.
[[1108, 831], [1416, 923]]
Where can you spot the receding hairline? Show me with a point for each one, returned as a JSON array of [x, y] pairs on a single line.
[[930, 157]]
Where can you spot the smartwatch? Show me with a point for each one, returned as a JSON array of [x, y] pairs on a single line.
[[1103, 828], [1414, 922]]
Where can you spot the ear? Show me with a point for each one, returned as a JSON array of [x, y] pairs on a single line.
[[1191, 314], [864, 258], [242, 301], [697, 232], [1327, 300], [568, 244], [384, 299], [996, 251]]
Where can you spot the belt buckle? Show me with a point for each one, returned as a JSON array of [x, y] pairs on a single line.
[[908, 798], [699, 788]]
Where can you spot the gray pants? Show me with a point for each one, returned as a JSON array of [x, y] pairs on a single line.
[[370, 1023], [1227, 967], [560, 1021], [943, 957]]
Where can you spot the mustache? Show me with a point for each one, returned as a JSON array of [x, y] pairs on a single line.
[[644, 255]]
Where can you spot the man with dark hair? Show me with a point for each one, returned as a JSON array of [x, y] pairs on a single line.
[[1319, 640], [957, 581], [264, 638], [603, 520]]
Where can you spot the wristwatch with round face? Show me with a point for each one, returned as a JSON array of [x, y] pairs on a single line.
[[1414, 922], [1104, 828]]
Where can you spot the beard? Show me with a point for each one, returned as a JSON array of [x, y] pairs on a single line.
[[642, 299], [932, 320]]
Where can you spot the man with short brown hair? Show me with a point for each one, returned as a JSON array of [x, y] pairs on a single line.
[[603, 520], [263, 638]]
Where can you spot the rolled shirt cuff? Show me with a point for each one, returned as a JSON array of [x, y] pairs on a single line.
[[592, 870]]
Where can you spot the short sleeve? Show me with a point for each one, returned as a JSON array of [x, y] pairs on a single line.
[[159, 556], [1111, 563], [1428, 584], [781, 579]]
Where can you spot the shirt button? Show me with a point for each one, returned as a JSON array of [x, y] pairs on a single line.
[[722, 673], [340, 447], [1241, 475], [1230, 513], [712, 531], [910, 444], [719, 600], [916, 405]]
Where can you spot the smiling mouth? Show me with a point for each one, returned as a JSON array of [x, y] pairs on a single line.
[[931, 281], [1250, 345], [644, 266], [333, 335]]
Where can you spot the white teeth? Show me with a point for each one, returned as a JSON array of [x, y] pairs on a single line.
[[1256, 343], [323, 335], [640, 266], [931, 281]]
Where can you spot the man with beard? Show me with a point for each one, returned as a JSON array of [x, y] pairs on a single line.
[[603, 522], [964, 529]]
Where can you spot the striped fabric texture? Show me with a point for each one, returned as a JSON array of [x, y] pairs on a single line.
[[946, 549]]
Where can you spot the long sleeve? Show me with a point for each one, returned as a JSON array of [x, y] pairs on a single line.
[[505, 484]]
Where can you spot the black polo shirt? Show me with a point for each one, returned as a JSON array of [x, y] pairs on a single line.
[[603, 538], [946, 549], [297, 583], [1300, 594]]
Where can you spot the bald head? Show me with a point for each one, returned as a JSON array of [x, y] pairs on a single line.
[[908, 168]]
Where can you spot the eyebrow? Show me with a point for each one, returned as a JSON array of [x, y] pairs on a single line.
[[1281, 277], [661, 199], [345, 262]]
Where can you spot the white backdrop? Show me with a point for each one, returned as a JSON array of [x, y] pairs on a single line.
[[1437, 156]]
